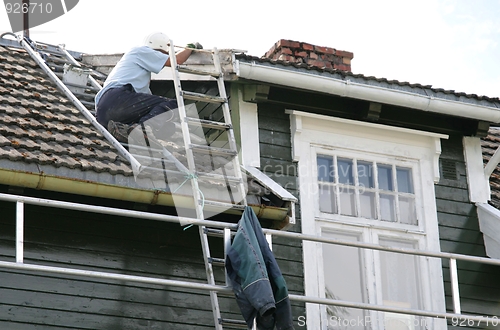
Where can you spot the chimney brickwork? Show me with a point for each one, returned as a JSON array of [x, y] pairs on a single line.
[[318, 56]]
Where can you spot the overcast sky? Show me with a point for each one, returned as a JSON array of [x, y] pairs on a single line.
[[450, 44]]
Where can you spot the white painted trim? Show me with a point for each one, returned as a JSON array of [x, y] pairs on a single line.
[[479, 186], [322, 130], [296, 130], [312, 133], [249, 131], [365, 124]]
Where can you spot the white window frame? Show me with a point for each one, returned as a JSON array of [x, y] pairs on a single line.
[[313, 134], [360, 156]]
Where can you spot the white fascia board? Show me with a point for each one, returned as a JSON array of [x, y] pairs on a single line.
[[479, 187], [348, 88]]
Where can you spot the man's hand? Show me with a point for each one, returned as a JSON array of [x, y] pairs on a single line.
[[194, 45]]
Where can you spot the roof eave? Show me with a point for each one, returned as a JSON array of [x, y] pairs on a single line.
[[281, 217], [368, 92]]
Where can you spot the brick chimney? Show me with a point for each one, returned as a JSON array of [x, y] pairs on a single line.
[[318, 56]]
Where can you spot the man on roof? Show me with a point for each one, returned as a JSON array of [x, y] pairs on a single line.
[[125, 100]]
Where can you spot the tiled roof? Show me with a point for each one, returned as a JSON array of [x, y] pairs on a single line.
[[41, 131], [489, 145], [38, 125], [383, 82]]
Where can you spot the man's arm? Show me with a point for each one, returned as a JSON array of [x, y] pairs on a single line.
[[181, 56]]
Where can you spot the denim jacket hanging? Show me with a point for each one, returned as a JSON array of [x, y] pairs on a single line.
[[257, 281]]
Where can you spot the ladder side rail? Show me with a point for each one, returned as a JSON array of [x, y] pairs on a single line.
[[185, 130], [194, 185], [227, 118], [93, 82], [136, 166]]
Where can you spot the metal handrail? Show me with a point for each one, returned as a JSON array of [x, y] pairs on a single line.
[[19, 264]]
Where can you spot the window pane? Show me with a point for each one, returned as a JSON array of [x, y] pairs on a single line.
[[327, 201], [407, 211], [367, 203], [345, 282], [325, 168], [400, 283], [344, 168], [405, 183], [385, 177], [365, 174], [347, 201], [387, 207]]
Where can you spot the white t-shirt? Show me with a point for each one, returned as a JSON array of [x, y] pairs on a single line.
[[135, 68]]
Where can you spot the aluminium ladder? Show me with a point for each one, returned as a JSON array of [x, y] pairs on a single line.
[[38, 53], [191, 149]]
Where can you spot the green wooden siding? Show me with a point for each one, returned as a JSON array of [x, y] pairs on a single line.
[[63, 238], [276, 162], [459, 233]]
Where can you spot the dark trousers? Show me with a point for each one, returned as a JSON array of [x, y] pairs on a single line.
[[126, 106]]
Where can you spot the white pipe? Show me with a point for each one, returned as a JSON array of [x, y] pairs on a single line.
[[115, 276], [454, 286], [19, 231], [222, 224], [347, 88]]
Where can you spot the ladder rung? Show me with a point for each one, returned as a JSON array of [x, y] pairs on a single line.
[[203, 97], [208, 123], [90, 96], [219, 177], [213, 150], [239, 324], [91, 104], [186, 69], [216, 261], [82, 86], [215, 232]]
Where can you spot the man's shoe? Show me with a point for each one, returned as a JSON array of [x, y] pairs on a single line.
[[119, 131]]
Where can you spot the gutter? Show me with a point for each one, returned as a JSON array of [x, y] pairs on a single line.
[[42, 181], [347, 88]]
